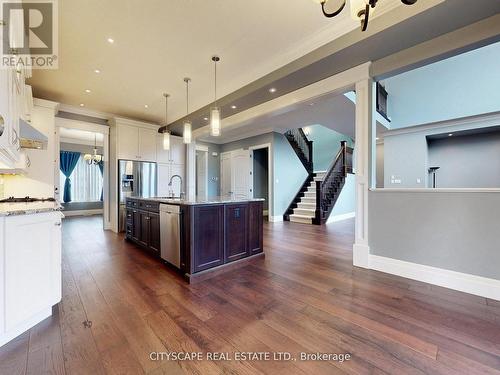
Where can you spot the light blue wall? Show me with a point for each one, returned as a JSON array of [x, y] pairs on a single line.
[[464, 85], [346, 203], [326, 145], [289, 174]]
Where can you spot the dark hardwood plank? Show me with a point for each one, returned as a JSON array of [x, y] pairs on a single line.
[[14, 355]]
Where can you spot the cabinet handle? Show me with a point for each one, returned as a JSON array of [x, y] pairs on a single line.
[[15, 137], [58, 224], [28, 161]]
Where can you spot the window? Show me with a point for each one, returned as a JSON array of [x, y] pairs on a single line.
[[86, 182]]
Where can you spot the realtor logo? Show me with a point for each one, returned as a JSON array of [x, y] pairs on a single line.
[[29, 34]]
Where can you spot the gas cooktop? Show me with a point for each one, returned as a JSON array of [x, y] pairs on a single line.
[[26, 200]]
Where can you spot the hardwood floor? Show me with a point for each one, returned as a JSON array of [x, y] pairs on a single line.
[[305, 296]]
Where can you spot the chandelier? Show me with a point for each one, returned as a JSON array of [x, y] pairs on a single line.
[[94, 158], [360, 9]]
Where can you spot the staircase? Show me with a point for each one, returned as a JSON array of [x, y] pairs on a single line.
[[317, 196]]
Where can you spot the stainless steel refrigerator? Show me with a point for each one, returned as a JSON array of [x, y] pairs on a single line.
[[135, 179]]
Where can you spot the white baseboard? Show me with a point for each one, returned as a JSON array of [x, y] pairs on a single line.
[[275, 219], [336, 218], [83, 212], [463, 282]]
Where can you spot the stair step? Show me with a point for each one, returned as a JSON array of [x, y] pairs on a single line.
[[301, 219], [308, 200], [305, 211], [307, 206], [310, 194]]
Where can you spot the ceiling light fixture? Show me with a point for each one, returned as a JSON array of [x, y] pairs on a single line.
[[88, 91], [187, 124], [215, 111], [82, 105], [94, 158], [166, 133], [272, 90], [233, 107], [360, 9], [111, 40], [205, 118], [450, 135], [146, 106], [97, 71]]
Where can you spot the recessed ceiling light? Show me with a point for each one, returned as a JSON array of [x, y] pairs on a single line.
[[205, 118], [97, 71], [111, 40], [146, 106], [233, 107], [377, 138], [82, 105], [272, 89], [88, 91], [311, 104], [450, 135]]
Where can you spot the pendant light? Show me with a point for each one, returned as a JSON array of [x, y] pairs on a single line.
[[166, 133], [215, 111], [94, 158], [187, 123]]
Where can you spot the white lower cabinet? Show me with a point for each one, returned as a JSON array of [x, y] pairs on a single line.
[[30, 260], [165, 172]]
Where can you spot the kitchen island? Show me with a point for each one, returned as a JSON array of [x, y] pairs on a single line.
[[200, 238]]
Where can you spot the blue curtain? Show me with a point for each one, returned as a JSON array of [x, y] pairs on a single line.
[[101, 168], [69, 160]]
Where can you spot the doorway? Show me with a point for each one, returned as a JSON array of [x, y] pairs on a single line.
[[260, 176], [81, 171], [201, 165], [235, 172]]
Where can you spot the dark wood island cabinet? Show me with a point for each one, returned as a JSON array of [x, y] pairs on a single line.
[[214, 236]]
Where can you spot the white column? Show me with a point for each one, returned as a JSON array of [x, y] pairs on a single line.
[[363, 169], [191, 171]]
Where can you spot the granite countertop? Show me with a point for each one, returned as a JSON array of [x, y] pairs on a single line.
[[23, 208], [200, 200]]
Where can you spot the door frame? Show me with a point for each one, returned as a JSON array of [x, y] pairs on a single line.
[[270, 174], [204, 148], [95, 128]]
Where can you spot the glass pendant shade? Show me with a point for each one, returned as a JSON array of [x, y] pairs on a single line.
[[87, 157], [187, 132], [215, 122], [166, 141]]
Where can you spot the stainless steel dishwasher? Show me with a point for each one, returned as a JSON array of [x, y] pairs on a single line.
[[170, 233]]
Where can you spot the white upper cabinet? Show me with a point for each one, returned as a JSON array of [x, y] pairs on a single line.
[[135, 142], [147, 144], [128, 142], [176, 154], [177, 151], [11, 108]]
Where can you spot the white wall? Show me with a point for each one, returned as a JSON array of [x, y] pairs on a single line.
[[39, 181]]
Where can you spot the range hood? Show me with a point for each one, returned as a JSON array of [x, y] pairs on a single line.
[[30, 137]]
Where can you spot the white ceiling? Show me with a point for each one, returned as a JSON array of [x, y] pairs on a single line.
[[158, 42], [80, 136]]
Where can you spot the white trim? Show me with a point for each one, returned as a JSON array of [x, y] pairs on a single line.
[[23, 327], [342, 217], [276, 219], [97, 211], [116, 121], [270, 172], [469, 122], [437, 190], [46, 104], [203, 148], [477, 285], [62, 122]]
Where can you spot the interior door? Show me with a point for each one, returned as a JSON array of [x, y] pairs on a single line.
[[240, 171], [225, 174]]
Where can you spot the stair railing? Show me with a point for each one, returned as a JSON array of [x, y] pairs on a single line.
[[328, 190], [302, 146]]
